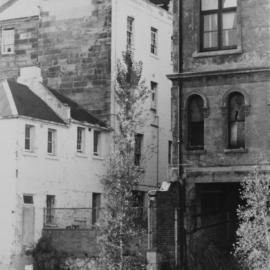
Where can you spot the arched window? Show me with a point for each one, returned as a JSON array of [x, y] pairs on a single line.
[[195, 122], [236, 117]]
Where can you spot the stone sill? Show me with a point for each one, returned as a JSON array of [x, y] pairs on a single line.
[[30, 154], [238, 150], [98, 157], [81, 155], [52, 157], [217, 53], [196, 151]]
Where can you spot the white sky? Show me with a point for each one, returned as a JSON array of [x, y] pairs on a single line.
[[60, 8]]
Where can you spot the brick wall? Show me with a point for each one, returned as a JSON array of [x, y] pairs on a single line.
[[74, 242]]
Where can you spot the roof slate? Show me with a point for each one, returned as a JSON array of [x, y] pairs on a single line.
[[77, 112], [29, 104]]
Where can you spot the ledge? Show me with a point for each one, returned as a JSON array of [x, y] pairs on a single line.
[[238, 150], [29, 154], [216, 53], [81, 155], [52, 157], [97, 157], [196, 151]]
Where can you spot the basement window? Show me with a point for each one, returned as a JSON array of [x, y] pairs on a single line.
[[28, 199], [8, 40]]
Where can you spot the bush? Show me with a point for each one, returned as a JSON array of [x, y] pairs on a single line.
[[45, 256]]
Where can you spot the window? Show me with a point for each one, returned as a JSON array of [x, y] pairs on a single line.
[[154, 32], [154, 95], [97, 150], [236, 109], [195, 122], [50, 211], [218, 25], [8, 37], [96, 205], [29, 138], [28, 199], [80, 139], [138, 149], [130, 33], [51, 146], [170, 152]]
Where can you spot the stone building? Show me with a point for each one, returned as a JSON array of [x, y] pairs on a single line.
[[77, 44], [221, 91]]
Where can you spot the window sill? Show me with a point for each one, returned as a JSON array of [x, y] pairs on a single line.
[[81, 155], [98, 157], [237, 150], [196, 151], [29, 154], [52, 157], [155, 56], [197, 54]]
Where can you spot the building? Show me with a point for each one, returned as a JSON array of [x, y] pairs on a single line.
[[221, 104], [52, 155], [77, 45]]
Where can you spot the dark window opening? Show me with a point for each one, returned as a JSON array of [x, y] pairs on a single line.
[[28, 199], [138, 149], [218, 25], [236, 109], [50, 205], [96, 205], [195, 123]]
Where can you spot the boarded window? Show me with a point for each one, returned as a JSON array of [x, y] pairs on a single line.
[[236, 120], [195, 122]]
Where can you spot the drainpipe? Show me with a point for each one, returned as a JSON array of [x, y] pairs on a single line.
[[182, 232]]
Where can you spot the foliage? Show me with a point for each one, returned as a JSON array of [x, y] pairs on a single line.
[[45, 256], [253, 245], [120, 229]]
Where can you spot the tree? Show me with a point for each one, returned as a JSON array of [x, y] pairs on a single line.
[[253, 245], [120, 228]]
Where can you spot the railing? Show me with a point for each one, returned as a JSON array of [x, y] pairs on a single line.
[[70, 218], [82, 218]]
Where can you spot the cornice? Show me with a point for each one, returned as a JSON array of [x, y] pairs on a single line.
[[200, 74]]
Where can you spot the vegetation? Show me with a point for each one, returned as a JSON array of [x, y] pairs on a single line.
[[120, 229], [253, 245]]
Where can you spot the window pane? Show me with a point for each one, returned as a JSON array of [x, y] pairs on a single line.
[[210, 40], [210, 22], [229, 37], [209, 4], [196, 133], [196, 106], [237, 134], [236, 108], [229, 3], [229, 20]]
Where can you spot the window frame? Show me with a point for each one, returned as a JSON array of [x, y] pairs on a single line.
[[219, 11], [154, 41], [230, 122], [130, 33], [189, 131], [154, 89], [51, 142], [138, 149], [29, 139], [4, 44], [28, 203], [80, 143], [97, 143]]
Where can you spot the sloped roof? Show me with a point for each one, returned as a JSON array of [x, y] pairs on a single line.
[[77, 112], [29, 104]]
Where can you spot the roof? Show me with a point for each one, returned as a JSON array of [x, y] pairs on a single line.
[[78, 112], [29, 104]]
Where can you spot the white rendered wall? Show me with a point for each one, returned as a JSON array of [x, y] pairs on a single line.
[[155, 68], [70, 176], [8, 131]]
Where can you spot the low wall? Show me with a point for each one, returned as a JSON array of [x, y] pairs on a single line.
[[74, 242]]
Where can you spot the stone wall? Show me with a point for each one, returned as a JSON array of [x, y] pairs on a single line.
[[26, 46]]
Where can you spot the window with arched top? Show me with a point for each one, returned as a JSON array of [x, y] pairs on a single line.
[[195, 122], [236, 123]]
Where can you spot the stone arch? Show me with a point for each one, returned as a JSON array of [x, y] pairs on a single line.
[[224, 101], [205, 102]]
